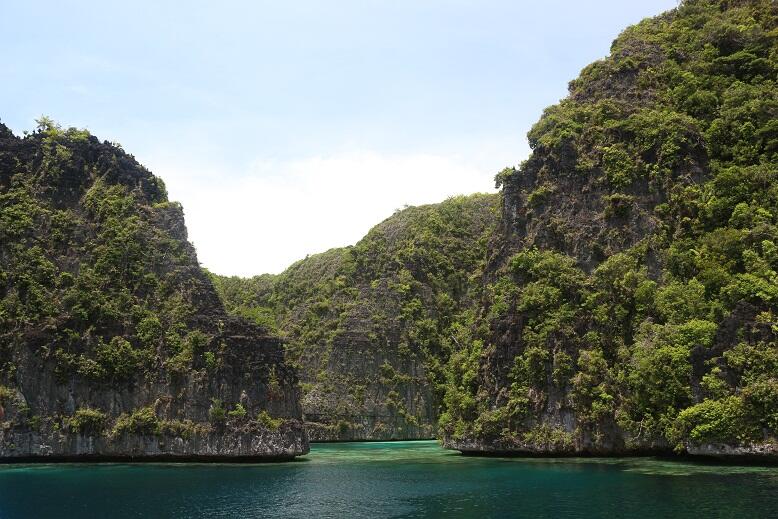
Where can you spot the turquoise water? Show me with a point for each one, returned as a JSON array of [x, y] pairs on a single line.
[[399, 479]]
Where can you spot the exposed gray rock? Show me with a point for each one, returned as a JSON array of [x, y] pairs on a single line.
[[255, 443], [759, 451]]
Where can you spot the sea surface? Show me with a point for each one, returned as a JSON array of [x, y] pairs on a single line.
[[392, 479]]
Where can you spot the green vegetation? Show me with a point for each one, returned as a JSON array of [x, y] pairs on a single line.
[[634, 289], [91, 245], [87, 421], [6, 394], [217, 413], [238, 412], [144, 421], [654, 314], [102, 296], [393, 300], [628, 299], [269, 422], [140, 421]]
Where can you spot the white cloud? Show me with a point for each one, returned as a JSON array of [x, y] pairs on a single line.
[[280, 211]]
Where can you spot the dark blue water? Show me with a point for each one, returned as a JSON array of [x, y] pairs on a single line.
[[403, 479]]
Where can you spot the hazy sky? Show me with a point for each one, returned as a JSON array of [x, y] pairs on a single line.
[[289, 127]]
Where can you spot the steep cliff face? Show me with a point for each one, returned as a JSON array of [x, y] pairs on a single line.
[[371, 326], [113, 341], [630, 295]]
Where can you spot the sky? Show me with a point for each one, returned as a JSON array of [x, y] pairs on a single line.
[[286, 128]]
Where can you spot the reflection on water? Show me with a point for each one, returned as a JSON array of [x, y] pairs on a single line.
[[392, 479]]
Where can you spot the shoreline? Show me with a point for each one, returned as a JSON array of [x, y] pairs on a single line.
[[658, 455], [99, 459]]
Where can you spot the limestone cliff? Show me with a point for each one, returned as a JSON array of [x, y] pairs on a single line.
[[630, 293], [371, 326], [113, 342]]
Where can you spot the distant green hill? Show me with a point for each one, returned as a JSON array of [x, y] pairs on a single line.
[[371, 326]]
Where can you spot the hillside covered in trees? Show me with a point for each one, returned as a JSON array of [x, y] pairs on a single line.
[[631, 300], [623, 300], [113, 342], [370, 327], [618, 295]]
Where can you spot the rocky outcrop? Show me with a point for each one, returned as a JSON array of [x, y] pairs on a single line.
[[113, 341], [368, 391], [755, 452], [369, 326], [604, 331], [164, 415], [250, 444]]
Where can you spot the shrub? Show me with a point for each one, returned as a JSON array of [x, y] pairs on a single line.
[[87, 420], [268, 421], [490, 423], [149, 331], [192, 346], [119, 359], [711, 421], [619, 166], [182, 428], [540, 195], [548, 437], [660, 370], [217, 413], [210, 360], [238, 412], [141, 421], [7, 394], [761, 399], [678, 302], [617, 205]]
